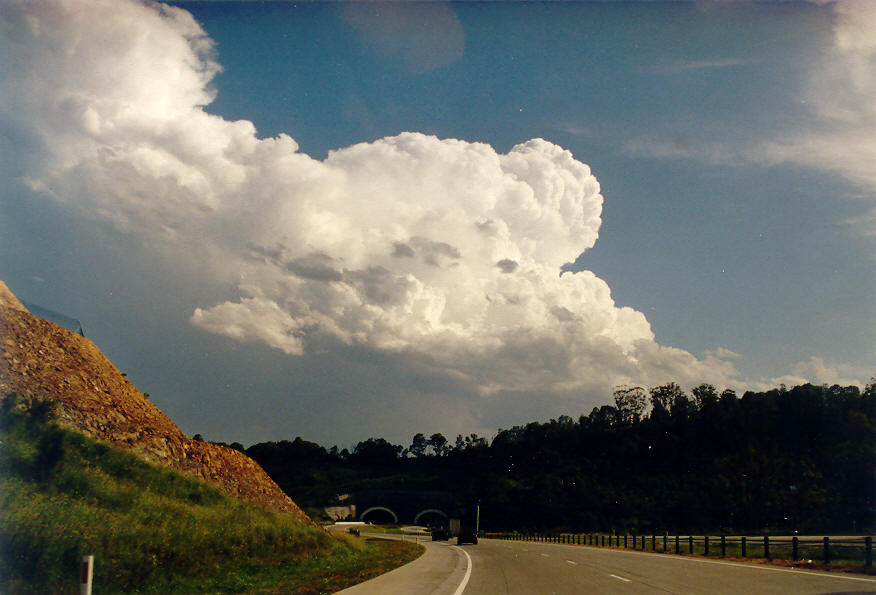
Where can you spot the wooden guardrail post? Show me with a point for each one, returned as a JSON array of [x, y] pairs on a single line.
[[766, 547], [827, 550], [743, 547], [706, 541], [723, 546], [677, 544], [690, 543], [868, 551], [795, 543]]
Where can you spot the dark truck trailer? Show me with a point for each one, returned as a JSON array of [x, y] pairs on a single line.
[[465, 528], [467, 535]]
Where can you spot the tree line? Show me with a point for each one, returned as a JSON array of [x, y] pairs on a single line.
[[658, 459]]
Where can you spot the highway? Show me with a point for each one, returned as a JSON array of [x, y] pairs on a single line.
[[521, 568]]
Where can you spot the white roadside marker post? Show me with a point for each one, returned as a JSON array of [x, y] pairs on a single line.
[[87, 574]]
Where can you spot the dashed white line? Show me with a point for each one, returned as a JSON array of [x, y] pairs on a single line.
[[572, 563], [620, 578], [545, 556], [750, 566]]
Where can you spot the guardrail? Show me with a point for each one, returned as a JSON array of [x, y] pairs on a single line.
[[804, 548]]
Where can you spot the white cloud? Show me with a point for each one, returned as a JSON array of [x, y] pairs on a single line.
[[837, 133], [688, 66], [423, 36], [253, 319], [439, 249], [685, 147], [841, 96], [817, 371]]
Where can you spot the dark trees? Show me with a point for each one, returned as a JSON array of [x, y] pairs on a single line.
[[802, 458], [630, 403], [438, 443]]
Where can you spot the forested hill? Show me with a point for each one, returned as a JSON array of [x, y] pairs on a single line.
[[802, 458]]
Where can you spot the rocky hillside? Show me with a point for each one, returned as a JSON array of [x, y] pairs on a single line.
[[41, 361]]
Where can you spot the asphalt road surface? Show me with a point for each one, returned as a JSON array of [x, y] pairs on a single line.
[[522, 568]]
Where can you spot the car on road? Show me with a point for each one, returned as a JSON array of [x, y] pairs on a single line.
[[467, 536], [440, 534]]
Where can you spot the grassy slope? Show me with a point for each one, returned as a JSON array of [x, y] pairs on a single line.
[[151, 529]]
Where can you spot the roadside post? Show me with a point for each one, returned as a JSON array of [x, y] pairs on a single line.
[[86, 575]]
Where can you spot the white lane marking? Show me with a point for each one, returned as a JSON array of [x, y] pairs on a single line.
[[620, 578], [572, 563], [791, 570], [545, 556], [467, 576], [753, 565]]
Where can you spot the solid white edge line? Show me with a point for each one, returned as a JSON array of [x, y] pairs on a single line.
[[626, 580], [467, 576]]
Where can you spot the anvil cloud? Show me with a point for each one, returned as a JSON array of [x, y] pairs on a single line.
[[441, 250]]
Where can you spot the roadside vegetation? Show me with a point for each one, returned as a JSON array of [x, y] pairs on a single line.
[[151, 529]]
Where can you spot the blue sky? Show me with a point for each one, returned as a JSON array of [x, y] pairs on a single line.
[[257, 212]]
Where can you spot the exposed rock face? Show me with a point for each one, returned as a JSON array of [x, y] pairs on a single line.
[[45, 362], [8, 299]]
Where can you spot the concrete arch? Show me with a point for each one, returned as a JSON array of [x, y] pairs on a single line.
[[427, 511], [373, 508]]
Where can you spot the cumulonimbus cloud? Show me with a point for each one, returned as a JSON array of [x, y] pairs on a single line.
[[441, 249]]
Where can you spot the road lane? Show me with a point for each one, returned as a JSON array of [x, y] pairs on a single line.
[[525, 568], [514, 567], [443, 569]]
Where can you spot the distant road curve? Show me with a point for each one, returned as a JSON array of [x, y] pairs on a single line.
[[522, 568]]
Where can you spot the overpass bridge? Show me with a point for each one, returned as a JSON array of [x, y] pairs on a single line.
[[416, 507]]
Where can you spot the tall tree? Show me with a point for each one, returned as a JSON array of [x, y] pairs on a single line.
[[630, 403], [438, 443], [704, 395], [418, 445], [663, 397]]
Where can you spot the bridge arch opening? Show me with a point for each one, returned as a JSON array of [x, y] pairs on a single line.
[[379, 515], [432, 517]]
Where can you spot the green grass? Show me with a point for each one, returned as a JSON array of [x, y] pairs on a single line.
[[151, 529]]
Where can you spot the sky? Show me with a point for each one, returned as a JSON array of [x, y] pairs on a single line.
[[339, 221]]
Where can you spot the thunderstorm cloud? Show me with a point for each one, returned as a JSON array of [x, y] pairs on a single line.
[[442, 250]]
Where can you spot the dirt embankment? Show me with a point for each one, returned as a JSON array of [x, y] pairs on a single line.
[[44, 362]]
